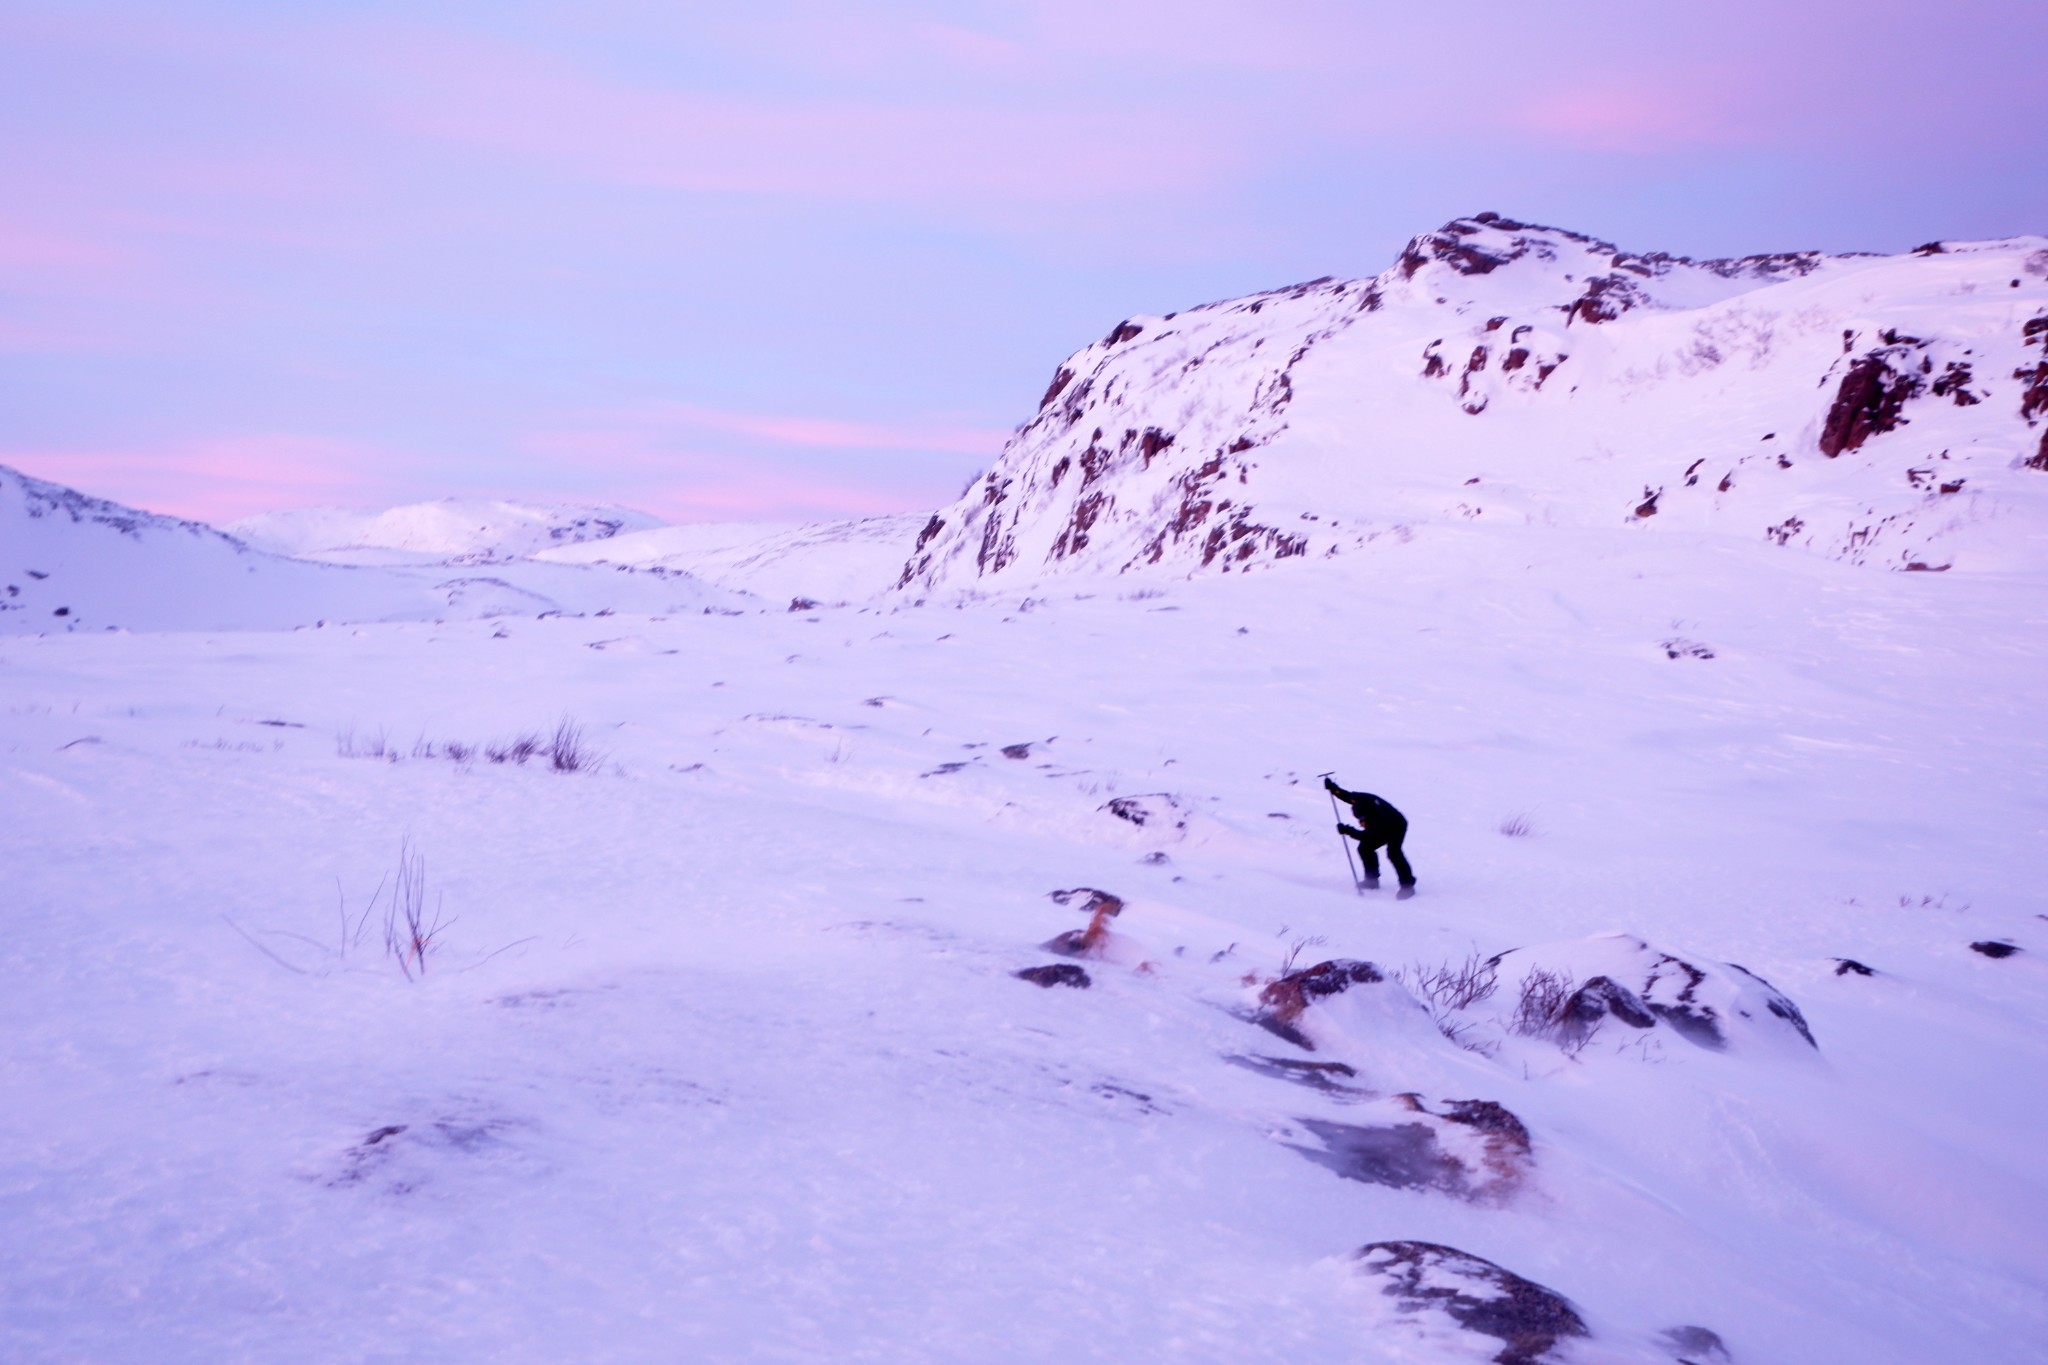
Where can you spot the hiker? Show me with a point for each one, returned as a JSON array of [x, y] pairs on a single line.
[[1379, 826]]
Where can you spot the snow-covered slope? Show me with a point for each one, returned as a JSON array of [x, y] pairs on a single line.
[[1880, 409], [835, 561], [473, 530], [1717, 1027], [71, 563]]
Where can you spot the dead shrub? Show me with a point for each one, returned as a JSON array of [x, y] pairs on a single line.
[[410, 931], [1539, 1010]]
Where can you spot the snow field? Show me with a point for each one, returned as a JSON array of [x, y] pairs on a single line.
[[721, 1057]]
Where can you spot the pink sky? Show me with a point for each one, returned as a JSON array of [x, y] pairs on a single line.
[[801, 257]]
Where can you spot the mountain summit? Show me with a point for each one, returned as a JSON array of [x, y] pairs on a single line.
[[1877, 409]]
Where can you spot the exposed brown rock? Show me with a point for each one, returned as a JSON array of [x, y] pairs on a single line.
[[1868, 403], [2034, 391], [1073, 538], [1954, 385], [1101, 907], [1606, 298], [1060, 379], [1285, 999]]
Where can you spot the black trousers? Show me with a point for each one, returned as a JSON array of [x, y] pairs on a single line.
[[1368, 858]]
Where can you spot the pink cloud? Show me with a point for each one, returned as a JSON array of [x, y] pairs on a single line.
[[30, 338], [1681, 108], [24, 248], [220, 479], [823, 433], [675, 459], [698, 484], [519, 102]]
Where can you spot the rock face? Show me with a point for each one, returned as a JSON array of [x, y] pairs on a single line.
[[1504, 370], [1435, 1286]]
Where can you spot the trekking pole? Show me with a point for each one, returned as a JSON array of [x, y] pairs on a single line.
[[1357, 883]]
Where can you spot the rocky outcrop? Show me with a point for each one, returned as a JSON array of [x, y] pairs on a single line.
[[1314, 420], [2034, 384]]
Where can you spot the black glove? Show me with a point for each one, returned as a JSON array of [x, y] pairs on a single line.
[[1329, 786]]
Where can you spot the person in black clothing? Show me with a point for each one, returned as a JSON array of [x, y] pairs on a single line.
[[1379, 826]]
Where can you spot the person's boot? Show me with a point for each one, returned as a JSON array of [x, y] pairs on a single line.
[[1370, 883], [1407, 890]]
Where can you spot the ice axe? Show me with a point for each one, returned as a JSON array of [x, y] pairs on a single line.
[[1357, 883]]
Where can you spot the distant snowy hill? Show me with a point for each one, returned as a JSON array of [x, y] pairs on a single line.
[[1879, 409], [71, 563], [827, 562], [477, 530]]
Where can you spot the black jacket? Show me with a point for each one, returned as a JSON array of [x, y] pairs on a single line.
[[1376, 817]]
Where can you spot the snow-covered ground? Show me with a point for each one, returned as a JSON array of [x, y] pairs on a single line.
[[1718, 1030], [828, 562], [720, 1055]]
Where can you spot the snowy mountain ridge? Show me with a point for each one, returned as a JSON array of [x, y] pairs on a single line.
[[1879, 409], [70, 563], [465, 530]]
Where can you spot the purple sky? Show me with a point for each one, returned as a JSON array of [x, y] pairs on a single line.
[[819, 259]]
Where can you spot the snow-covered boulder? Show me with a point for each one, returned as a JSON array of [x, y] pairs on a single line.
[[1464, 1307], [1474, 1149], [1097, 941], [1343, 1005], [1612, 986]]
